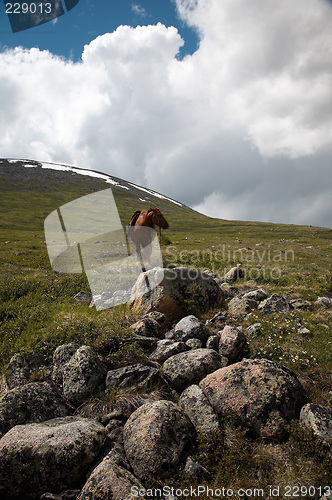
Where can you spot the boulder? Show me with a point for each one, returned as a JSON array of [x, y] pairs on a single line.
[[48, 456], [213, 342], [239, 306], [33, 402], [147, 327], [324, 302], [166, 348], [173, 290], [18, 371], [256, 393], [254, 330], [83, 297], [110, 481], [190, 367], [155, 439], [232, 342], [234, 274], [132, 377], [319, 419], [61, 356], [258, 295], [194, 343], [275, 303], [196, 405], [299, 303], [190, 327], [82, 375]]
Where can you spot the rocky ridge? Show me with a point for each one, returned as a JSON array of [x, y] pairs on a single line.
[[196, 376]]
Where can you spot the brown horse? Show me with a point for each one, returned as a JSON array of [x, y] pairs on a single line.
[[150, 218]]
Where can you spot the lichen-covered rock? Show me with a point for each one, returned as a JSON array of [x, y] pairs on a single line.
[[147, 327], [196, 405], [213, 342], [234, 274], [166, 348], [319, 419], [254, 330], [194, 344], [299, 303], [190, 327], [82, 375], [275, 303], [190, 367], [240, 306], [155, 439], [49, 456], [61, 356], [18, 371], [171, 289], [258, 394], [33, 402], [258, 295], [232, 342], [137, 376], [110, 481]]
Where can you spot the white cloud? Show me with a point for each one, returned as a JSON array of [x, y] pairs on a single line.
[[240, 129], [138, 10]]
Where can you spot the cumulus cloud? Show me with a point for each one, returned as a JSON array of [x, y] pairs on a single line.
[[241, 129]]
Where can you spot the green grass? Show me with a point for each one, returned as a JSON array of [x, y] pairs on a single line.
[[38, 311]]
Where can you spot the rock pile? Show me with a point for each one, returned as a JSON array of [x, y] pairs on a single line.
[[49, 452]]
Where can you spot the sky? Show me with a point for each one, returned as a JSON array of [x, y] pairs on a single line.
[[224, 105]]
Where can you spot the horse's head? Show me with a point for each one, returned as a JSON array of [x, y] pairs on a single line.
[[158, 219]]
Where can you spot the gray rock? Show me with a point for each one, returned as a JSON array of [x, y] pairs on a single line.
[[324, 302], [61, 356], [137, 376], [275, 303], [194, 343], [160, 318], [147, 327], [33, 402], [155, 437], [83, 374], [110, 481], [217, 321], [258, 394], [83, 297], [319, 419], [190, 327], [213, 342], [195, 470], [18, 371], [258, 295], [190, 367], [254, 330], [232, 342], [166, 348], [234, 274], [299, 303], [49, 456], [196, 405], [240, 306], [177, 287]]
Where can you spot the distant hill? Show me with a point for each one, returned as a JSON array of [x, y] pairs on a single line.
[[30, 190]]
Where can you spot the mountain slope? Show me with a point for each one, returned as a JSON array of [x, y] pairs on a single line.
[[30, 190]]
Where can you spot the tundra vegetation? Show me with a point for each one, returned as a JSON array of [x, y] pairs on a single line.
[[38, 312]]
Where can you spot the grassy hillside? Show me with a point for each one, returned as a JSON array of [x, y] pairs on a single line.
[[38, 311]]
